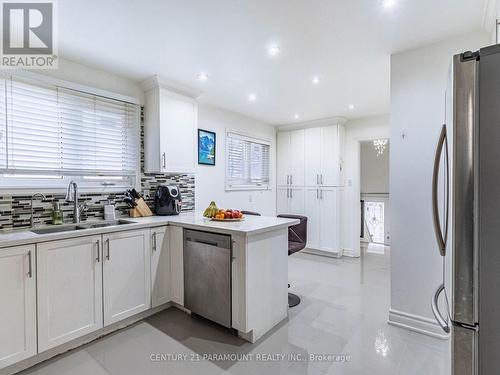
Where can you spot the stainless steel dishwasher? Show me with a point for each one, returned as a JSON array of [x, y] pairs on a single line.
[[207, 275]]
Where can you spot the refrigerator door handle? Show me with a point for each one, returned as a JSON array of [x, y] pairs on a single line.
[[440, 235], [435, 310]]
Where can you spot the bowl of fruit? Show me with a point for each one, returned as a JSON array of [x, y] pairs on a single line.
[[219, 214]]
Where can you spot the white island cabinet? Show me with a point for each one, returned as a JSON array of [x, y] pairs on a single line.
[[18, 307], [126, 274], [69, 289]]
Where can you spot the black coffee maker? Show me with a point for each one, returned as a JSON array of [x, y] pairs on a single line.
[[168, 200]]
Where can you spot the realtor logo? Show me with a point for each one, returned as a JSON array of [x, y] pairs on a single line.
[[28, 37]]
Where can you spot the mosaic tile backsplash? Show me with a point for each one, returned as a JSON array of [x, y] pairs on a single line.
[[15, 209]]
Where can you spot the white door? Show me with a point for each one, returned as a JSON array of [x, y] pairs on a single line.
[[283, 200], [312, 211], [283, 158], [69, 290], [329, 223], [329, 156], [178, 117], [18, 306], [160, 266], [126, 274], [312, 156], [296, 201], [297, 155]]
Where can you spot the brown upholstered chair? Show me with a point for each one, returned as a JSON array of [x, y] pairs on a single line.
[[297, 240]]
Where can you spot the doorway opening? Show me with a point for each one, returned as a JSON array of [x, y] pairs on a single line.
[[374, 196]]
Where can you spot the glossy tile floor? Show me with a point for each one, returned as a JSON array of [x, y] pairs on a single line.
[[344, 310]]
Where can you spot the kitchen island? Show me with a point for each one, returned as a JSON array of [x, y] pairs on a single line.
[[123, 272]]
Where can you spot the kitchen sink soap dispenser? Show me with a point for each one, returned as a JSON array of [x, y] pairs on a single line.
[[57, 214], [109, 211]]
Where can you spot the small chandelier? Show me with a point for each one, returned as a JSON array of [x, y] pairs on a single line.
[[380, 145]]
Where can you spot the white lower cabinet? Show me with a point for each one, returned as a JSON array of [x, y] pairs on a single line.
[[18, 306], [290, 200], [126, 274], [323, 225], [160, 266], [69, 290]]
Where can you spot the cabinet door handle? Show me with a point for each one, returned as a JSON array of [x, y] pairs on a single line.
[[30, 265], [154, 241], [108, 256], [321, 180], [317, 193], [317, 179], [164, 160], [287, 179], [291, 193], [291, 179], [321, 195], [98, 245], [287, 193]]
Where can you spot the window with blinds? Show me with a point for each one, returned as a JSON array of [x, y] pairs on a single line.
[[247, 162], [46, 130]]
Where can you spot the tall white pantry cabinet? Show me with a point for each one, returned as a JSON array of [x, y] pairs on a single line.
[[310, 182]]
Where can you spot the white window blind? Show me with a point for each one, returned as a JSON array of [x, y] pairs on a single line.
[[51, 130], [247, 162]]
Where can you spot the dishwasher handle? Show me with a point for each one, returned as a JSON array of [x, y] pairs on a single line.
[[207, 238], [210, 243]]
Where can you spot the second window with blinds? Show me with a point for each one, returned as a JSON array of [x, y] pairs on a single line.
[[247, 162]]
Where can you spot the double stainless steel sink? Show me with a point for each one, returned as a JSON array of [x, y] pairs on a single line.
[[81, 226]]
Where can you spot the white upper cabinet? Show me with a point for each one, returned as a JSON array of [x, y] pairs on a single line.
[[18, 306], [170, 124], [290, 161], [311, 157], [330, 158], [69, 289]]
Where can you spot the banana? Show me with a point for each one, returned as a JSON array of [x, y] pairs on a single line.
[[211, 210]]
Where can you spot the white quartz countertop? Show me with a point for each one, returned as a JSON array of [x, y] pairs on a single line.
[[250, 225]]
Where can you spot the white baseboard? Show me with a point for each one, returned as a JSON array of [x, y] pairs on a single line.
[[416, 323], [329, 254], [350, 253]]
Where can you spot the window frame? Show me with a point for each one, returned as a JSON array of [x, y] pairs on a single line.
[[26, 184], [251, 138]]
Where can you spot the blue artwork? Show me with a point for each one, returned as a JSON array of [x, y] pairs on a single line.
[[206, 147]]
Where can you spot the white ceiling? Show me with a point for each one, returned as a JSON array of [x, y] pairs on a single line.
[[346, 43]]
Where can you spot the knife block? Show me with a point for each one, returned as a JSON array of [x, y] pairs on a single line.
[[141, 210]]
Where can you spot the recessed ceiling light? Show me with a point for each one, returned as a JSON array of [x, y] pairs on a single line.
[[252, 97], [296, 116], [351, 106], [202, 76], [273, 50], [315, 80], [389, 3]]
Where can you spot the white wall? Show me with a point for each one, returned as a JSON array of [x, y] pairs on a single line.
[[210, 184], [374, 169], [418, 83], [363, 129]]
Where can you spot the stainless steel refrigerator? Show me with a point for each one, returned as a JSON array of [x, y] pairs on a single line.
[[466, 213]]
